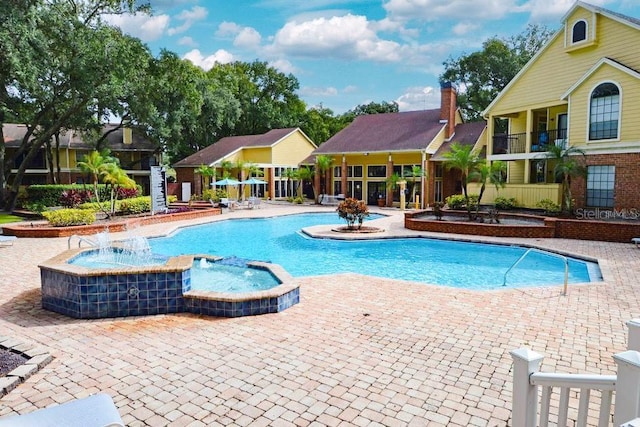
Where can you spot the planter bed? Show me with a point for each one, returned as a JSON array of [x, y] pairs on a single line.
[[43, 229]]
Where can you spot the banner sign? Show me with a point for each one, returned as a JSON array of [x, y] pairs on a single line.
[[158, 189]]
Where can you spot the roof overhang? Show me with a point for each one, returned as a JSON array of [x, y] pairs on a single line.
[[596, 67]]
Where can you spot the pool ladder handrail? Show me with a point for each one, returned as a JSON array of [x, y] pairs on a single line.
[[80, 240], [562, 257]]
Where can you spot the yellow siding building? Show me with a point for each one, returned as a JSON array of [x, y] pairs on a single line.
[[582, 89]]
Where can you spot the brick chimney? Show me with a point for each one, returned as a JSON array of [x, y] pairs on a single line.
[[448, 107]]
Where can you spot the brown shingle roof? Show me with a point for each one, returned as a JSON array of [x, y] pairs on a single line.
[[14, 133], [411, 130], [225, 146], [465, 134]]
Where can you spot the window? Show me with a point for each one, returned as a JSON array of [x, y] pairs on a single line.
[[600, 185], [604, 112], [337, 171], [377, 171], [579, 32]]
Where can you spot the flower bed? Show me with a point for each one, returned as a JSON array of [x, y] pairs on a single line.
[[41, 229]]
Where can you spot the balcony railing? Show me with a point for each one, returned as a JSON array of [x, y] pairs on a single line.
[[515, 143]]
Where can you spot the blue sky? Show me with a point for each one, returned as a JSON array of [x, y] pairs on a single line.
[[345, 53]]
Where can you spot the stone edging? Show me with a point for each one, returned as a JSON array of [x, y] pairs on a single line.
[[38, 357]]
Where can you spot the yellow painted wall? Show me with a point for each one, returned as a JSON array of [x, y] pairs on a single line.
[[257, 155], [630, 108], [527, 195], [557, 69], [515, 172], [292, 150], [518, 124]]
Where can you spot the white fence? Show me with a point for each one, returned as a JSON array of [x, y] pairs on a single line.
[[527, 380]]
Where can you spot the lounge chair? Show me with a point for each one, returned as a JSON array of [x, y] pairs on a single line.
[[636, 240], [7, 241], [253, 202], [93, 411]]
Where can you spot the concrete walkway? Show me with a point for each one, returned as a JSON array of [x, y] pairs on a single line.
[[356, 351]]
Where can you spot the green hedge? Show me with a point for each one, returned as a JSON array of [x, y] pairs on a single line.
[[49, 194], [136, 205], [66, 217], [457, 201]]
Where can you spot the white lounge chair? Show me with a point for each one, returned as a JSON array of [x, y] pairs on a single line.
[[7, 241], [93, 411], [636, 240]]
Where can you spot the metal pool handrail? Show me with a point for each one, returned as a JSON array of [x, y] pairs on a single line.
[[562, 257], [80, 240]]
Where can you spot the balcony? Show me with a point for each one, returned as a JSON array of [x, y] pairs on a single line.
[[516, 143]]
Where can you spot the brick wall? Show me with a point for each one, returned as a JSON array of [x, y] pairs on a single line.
[[627, 188]]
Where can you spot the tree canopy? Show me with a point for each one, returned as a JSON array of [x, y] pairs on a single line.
[[482, 75]]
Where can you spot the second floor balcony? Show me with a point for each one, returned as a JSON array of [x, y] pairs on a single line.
[[528, 142]]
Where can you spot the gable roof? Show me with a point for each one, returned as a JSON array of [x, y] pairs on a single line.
[[387, 132], [14, 133], [603, 61], [231, 144], [626, 20], [466, 134]]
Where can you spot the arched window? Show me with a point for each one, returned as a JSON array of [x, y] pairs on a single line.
[[604, 112], [579, 32]]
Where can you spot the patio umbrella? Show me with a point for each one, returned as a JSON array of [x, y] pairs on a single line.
[[227, 182], [253, 181]]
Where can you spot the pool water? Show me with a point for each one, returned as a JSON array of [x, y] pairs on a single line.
[[443, 262], [217, 277], [97, 259]]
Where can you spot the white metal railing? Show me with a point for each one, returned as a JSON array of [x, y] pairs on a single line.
[[527, 380], [80, 240], [562, 257]]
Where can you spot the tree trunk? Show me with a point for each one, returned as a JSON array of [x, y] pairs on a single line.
[[15, 186], [2, 169], [57, 153], [49, 156]]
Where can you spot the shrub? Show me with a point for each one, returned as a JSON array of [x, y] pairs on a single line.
[[66, 217], [36, 207], [73, 198], [128, 193], [353, 210], [457, 201], [214, 194], [172, 198], [134, 206], [549, 206], [504, 203], [95, 207]]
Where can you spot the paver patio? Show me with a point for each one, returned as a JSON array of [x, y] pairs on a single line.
[[356, 350]]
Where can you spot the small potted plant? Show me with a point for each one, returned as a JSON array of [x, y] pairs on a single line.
[[381, 200]]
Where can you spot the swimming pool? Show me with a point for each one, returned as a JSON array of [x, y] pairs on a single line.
[[443, 262]]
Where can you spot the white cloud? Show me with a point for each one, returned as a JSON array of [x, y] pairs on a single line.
[[247, 38], [226, 29], [545, 11], [187, 41], [284, 66], [419, 98], [432, 10], [346, 37], [463, 28], [188, 18], [221, 56], [146, 28], [350, 89], [318, 91]]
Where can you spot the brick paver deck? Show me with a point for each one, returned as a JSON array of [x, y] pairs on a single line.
[[356, 351]]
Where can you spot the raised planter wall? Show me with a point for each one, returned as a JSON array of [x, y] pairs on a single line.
[[40, 230], [583, 229]]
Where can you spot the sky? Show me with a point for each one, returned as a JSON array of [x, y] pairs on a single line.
[[345, 53]]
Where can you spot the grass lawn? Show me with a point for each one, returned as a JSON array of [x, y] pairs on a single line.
[[5, 218]]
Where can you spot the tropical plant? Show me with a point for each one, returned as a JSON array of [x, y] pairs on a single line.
[[352, 211], [569, 163], [304, 174], [505, 203], [549, 206], [206, 173], [415, 175], [291, 175], [467, 161], [323, 163], [493, 172]]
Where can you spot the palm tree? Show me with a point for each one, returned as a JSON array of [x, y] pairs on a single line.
[[116, 178], [568, 164], [494, 173], [206, 173], [393, 180], [303, 174], [414, 175], [291, 175], [323, 163], [226, 167], [466, 160], [95, 164]]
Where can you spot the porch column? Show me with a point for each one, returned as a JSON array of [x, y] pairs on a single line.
[[316, 179], [343, 176], [388, 191], [527, 147], [270, 172], [424, 181]]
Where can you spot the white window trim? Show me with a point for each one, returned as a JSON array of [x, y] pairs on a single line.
[[617, 138], [586, 32]]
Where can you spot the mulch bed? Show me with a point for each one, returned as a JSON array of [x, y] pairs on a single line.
[[9, 361]]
